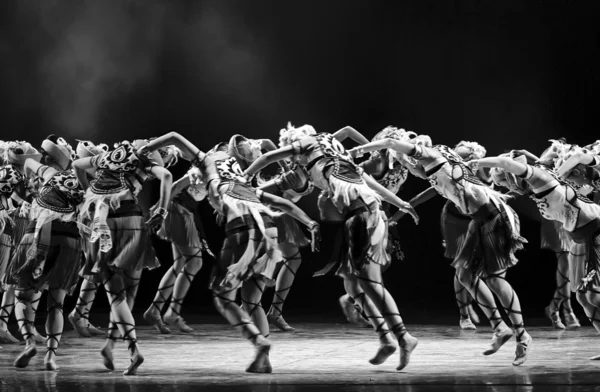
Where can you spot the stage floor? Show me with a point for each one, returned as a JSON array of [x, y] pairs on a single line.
[[318, 356]]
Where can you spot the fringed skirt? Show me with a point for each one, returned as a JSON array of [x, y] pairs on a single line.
[[248, 251], [491, 240], [6, 250], [57, 262], [554, 236], [360, 243], [15, 231], [183, 227], [584, 257], [455, 225], [289, 232], [131, 245]]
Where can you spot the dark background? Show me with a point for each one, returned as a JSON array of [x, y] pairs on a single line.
[[509, 74]]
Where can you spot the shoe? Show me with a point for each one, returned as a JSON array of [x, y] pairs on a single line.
[[351, 312], [280, 323], [498, 340], [179, 322], [95, 331], [523, 348], [6, 337], [157, 322], [407, 346], [466, 324], [555, 318], [571, 320], [79, 325]]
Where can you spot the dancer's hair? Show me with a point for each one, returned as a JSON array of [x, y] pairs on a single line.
[[291, 134], [470, 150]]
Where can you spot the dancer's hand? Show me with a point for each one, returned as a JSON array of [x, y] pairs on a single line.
[[408, 209], [315, 234], [156, 221], [393, 221]]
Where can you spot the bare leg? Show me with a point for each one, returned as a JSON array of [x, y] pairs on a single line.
[[464, 300], [23, 302], [371, 281], [387, 344], [32, 311], [54, 325], [188, 263], [590, 301], [285, 280], [79, 317], [224, 300], [6, 309], [252, 291]]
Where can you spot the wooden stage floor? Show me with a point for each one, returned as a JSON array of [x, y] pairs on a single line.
[[319, 356]]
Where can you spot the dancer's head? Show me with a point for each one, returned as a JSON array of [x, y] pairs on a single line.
[[244, 150], [391, 132], [18, 152], [291, 134], [57, 153], [86, 148], [508, 180], [470, 150], [578, 175]]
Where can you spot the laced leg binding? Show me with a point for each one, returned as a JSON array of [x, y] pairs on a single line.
[[165, 289], [562, 294], [87, 295], [184, 280], [120, 311], [22, 303], [287, 273], [476, 289], [513, 308], [232, 311], [54, 322], [374, 317], [383, 301], [6, 308], [463, 298]]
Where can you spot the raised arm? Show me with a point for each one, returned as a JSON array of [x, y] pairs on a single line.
[[578, 158], [291, 209], [400, 146], [349, 132], [188, 150], [507, 164], [33, 168], [268, 158], [390, 197], [268, 145], [81, 167], [179, 185], [166, 181]]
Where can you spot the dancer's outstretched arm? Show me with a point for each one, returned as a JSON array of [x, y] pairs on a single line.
[[189, 151], [510, 165], [578, 158], [390, 197], [421, 198], [268, 158], [268, 145], [166, 181], [291, 209], [180, 185], [400, 146], [349, 132], [33, 168]]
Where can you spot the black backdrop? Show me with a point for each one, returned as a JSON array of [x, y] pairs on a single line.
[[507, 74]]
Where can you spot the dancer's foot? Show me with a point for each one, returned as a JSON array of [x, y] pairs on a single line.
[[473, 314], [554, 317], [38, 337], [95, 331], [498, 340], [178, 322], [79, 325], [385, 351], [7, 337], [136, 360], [279, 322], [407, 346], [23, 360], [571, 321], [466, 324], [155, 320], [50, 361], [107, 358], [523, 348], [352, 314], [261, 363]]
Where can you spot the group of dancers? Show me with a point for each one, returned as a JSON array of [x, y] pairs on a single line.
[[71, 213]]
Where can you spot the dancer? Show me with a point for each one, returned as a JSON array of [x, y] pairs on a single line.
[[48, 255], [556, 200], [250, 252], [490, 242], [333, 170], [16, 153], [79, 317], [183, 228], [120, 239]]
